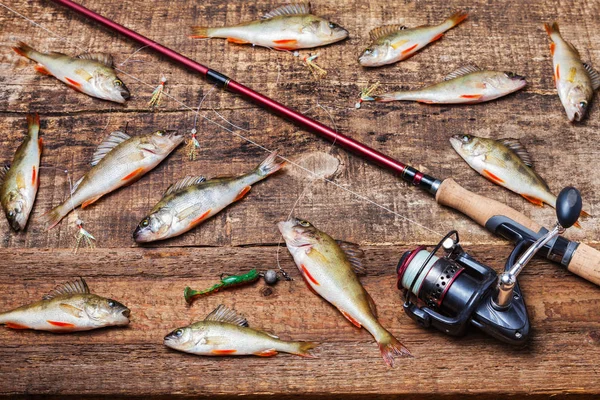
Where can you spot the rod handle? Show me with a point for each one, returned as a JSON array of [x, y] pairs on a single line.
[[585, 261], [479, 208]]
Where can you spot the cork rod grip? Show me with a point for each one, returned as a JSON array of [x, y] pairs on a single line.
[[480, 209], [585, 261]]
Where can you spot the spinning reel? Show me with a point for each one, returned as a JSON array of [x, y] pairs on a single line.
[[452, 292]]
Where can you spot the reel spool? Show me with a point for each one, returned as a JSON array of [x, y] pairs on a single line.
[[454, 291]]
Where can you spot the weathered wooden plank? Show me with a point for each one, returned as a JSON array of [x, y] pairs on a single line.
[[563, 348]]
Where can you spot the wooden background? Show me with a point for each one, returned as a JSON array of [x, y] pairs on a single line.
[[564, 350]]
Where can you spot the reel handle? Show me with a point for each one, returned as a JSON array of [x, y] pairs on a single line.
[[585, 260]]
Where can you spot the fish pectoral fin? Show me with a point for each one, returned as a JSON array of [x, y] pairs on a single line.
[[21, 183], [349, 318], [266, 353], [84, 74], [215, 340], [489, 175], [398, 43], [237, 41], [533, 200], [493, 160], [242, 193], [71, 310], [572, 73], [90, 201], [41, 69]]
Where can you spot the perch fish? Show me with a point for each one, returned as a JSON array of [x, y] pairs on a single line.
[[506, 163], [68, 308], [120, 160], [20, 181], [289, 27], [575, 81], [393, 43], [192, 200], [89, 73], [467, 85], [328, 267], [225, 333]]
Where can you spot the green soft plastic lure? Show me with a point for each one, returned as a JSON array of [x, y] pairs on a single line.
[[226, 281]]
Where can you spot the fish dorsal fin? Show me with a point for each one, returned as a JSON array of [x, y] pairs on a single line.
[[73, 287], [112, 141], [518, 149], [593, 74], [354, 255], [3, 170], [289, 9], [384, 31], [102, 58], [467, 69], [183, 183], [229, 316]]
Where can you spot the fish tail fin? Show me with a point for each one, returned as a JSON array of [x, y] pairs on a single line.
[[302, 349], [386, 97], [391, 348], [457, 18], [270, 165], [33, 124], [54, 216], [199, 32], [551, 29], [24, 50]]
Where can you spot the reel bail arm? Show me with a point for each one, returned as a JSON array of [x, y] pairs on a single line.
[[568, 208]]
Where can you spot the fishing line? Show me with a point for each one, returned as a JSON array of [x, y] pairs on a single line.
[[256, 144]]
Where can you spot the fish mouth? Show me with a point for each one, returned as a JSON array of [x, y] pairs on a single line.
[[126, 313], [455, 141], [139, 236]]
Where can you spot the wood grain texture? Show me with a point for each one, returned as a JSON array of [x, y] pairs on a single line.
[[362, 203]]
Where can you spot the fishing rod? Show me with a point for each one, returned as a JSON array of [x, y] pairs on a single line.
[[496, 217]]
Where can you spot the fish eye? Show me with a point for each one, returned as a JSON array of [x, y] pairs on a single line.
[[160, 133], [118, 82], [112, 303], [368, 51], [305, 224], [583, 104], [11, 214], [145, 222], [466, 138], [332, 25], [178, 332], [509, 74]]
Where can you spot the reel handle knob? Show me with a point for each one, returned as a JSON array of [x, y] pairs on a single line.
[[568, 206]]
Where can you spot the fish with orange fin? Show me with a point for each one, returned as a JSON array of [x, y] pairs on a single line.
[[226, 333], [118, 161], [393, 43], [68, 308], [89, 73], [192, 200], [467, 85], [19, 182], [506, 163], [289, 27], [329, 268], [575, 80]]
